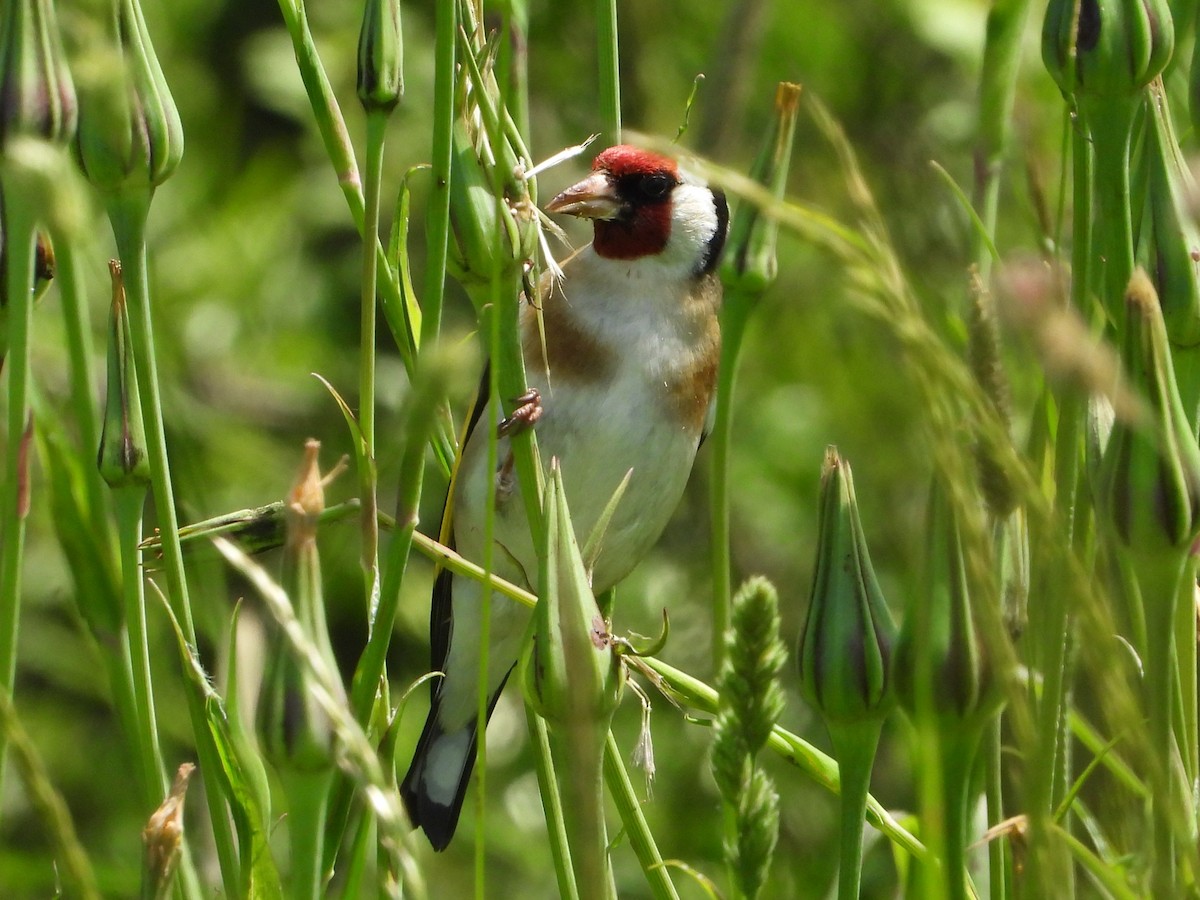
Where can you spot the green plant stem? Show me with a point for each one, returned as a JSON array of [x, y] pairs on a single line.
[[734, 316], [77, 329], [959, 747], [854, 746], [580, 777], [999, 859], [368, 487], [307, 793], [560, 845], [997, 90], [608, 67], [128, 212], [19, 236], [369, 672], [620, 789], [1111, 127], [376, 130], [1185, 654], [130, 677], [355, 864], [403, 317], [1158, 578], [129, 503], [512, 64], [437, 233]]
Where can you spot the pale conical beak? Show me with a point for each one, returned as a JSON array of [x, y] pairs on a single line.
[[592, 198]]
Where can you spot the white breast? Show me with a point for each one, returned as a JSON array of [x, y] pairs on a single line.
[[600, 430]]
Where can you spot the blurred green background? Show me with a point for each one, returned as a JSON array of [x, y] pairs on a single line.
[[254, 273]]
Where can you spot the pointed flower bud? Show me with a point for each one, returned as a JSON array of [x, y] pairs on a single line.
[[492, 213], [380, 56], [130, 135], [37, 97], [162, 838], [1106, 48], [1170, 239], [1149, 479], [295, 731], [574, 677], [940, 666], [750, 263], [122, 458], [846, 645]]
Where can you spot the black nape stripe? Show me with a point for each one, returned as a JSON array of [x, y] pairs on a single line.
[[716, 243]]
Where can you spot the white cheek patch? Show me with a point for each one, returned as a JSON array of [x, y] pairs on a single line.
[[693, 224]]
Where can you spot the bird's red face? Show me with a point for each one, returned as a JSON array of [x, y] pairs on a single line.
[[628, 195]]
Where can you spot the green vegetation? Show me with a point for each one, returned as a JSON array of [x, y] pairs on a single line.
[[967, 266]]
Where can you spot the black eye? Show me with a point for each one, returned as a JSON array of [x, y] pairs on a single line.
[[655, 186]]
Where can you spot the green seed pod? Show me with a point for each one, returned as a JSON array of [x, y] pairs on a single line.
[[294, 729], [846, 645], [573, 677], [1169, 244], [122, 458], [37, 97], [1106, 48], [1148, 493], [492, 212], [940, 666], [750, 263], [380, 56], [130, 135]]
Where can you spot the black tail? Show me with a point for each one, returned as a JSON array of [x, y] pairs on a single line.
[[437, 819]]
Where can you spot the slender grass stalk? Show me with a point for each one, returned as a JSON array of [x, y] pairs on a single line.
[[77, 329], [1111, 128], [733, 329], [437, 233], [560, 847], [959, 756], [854, 746], [128, 211], [1187, 733], [997, 91], [368, 486], [1159, 584], [1006, 24], [641, 839], [307, 794], [129, 503], [485, 606], [403, 314], [434, 379], [999, 856], [19, 224], [1053, 633], [609, 69], [356, 862], [376, 128]]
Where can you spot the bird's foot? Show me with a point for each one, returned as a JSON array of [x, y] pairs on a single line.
[[525, 415]]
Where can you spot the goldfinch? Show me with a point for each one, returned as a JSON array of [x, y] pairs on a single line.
[[625, 376]]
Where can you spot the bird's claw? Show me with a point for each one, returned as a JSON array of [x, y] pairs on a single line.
[[525, 415]]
